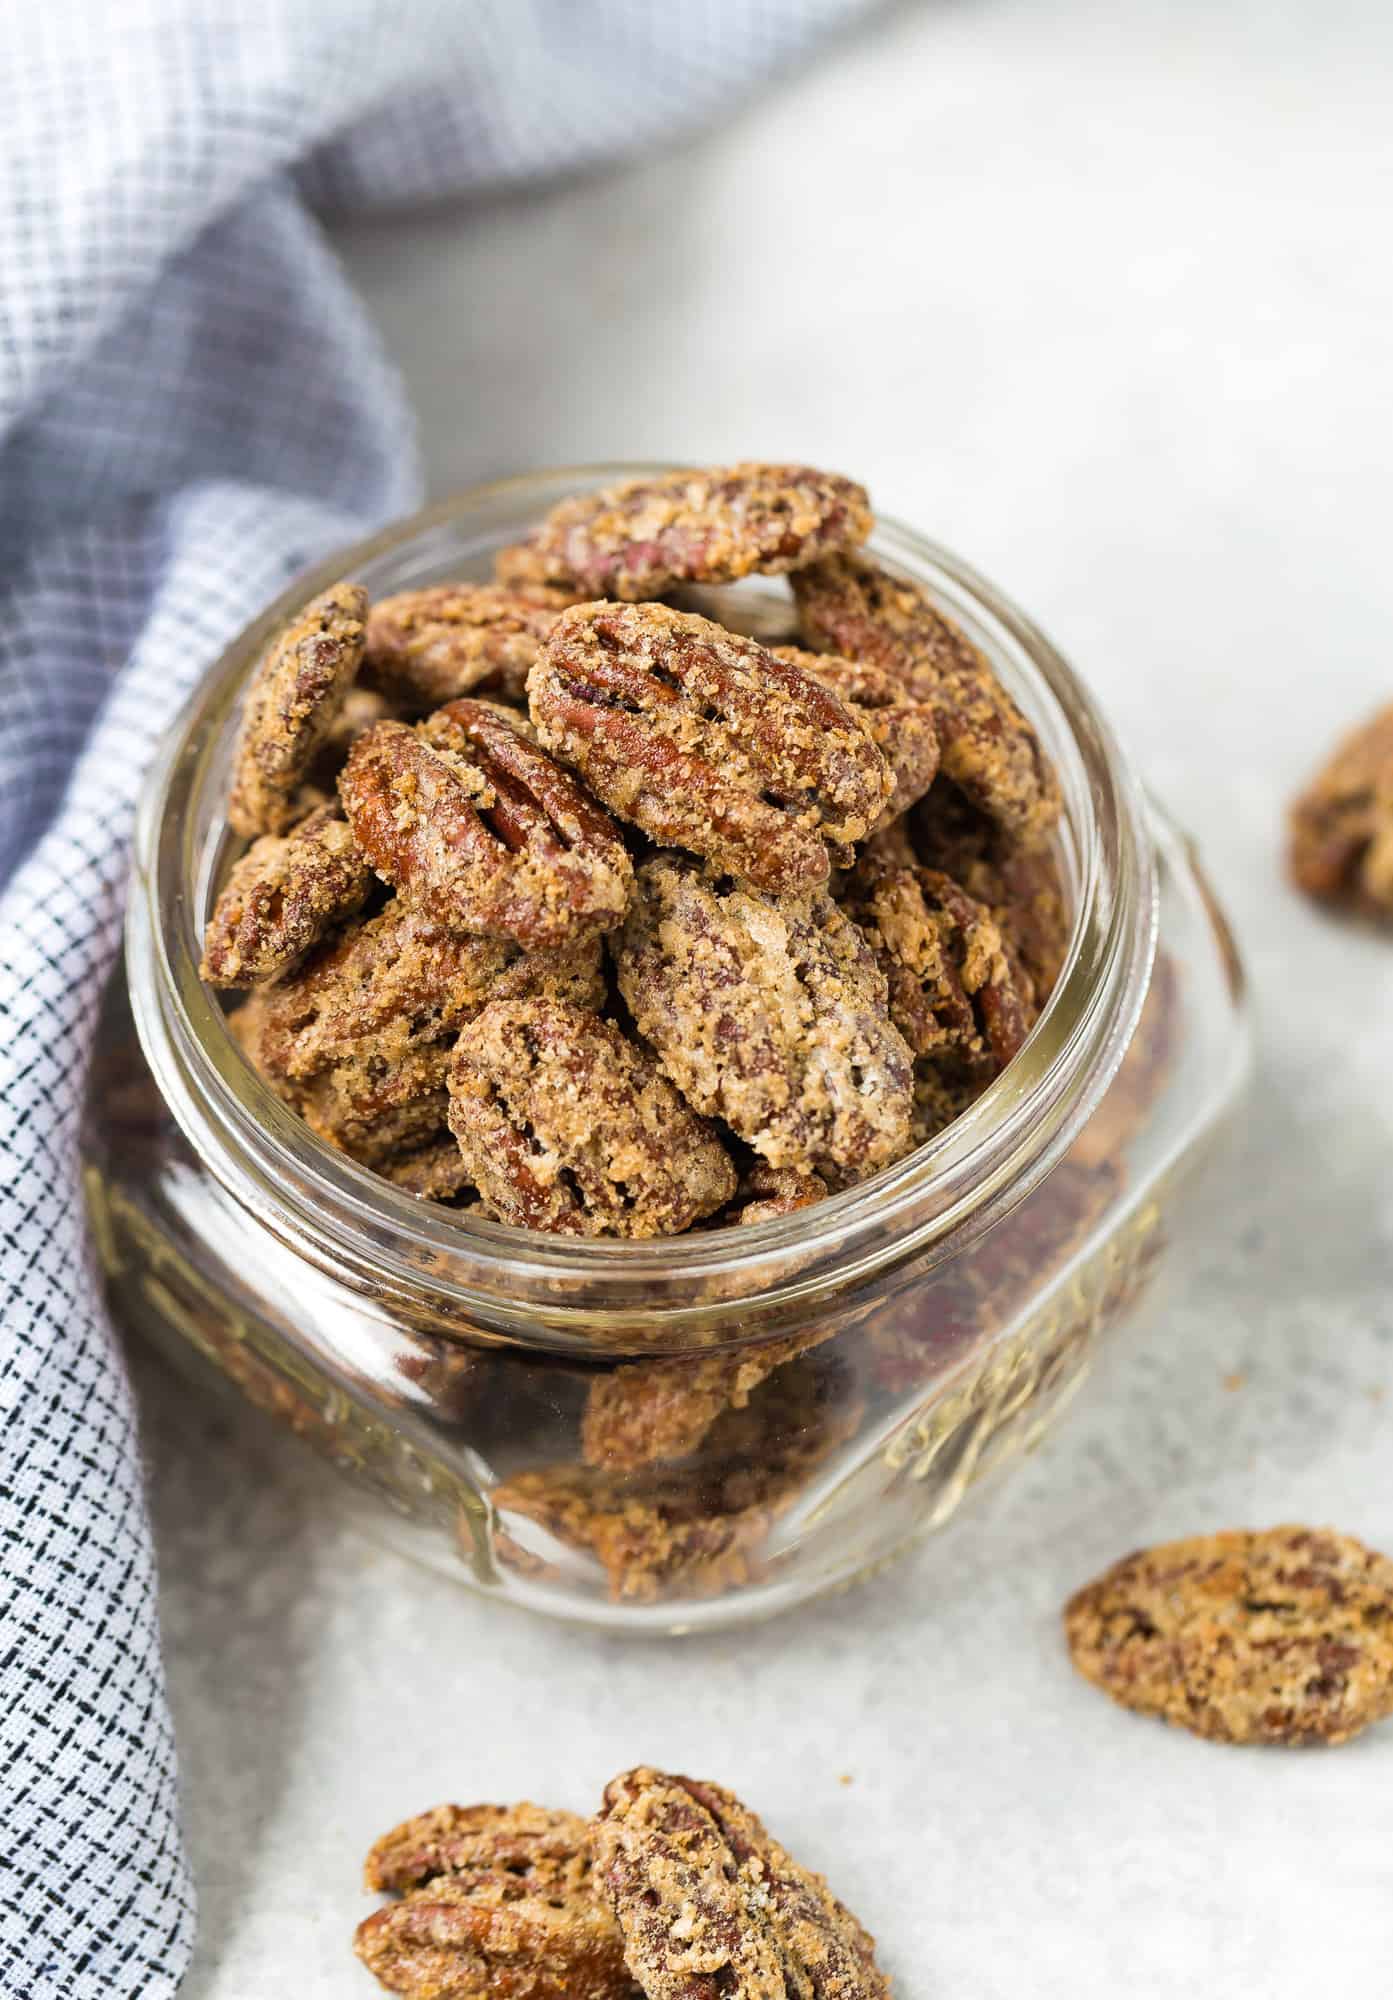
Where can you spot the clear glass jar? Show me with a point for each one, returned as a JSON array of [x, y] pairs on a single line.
[[582, 1427]]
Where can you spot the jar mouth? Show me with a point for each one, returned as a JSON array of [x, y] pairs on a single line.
[[523, 1284]]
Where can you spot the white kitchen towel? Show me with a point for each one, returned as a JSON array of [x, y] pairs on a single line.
[[192, 407]]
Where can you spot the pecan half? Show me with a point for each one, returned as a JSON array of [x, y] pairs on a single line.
[[403, 976], [1341, 843], [771, 1014], [281, 898], [707, 741], [693, 1530], [478, 828], [649, 1412], [1023, 887], [637, 540], [712, 1908], [848, 605], [425, 647], [294, 695], [567, 1125], [892, 717], [1281, 1636], [385, 1099], [953, 993], [767, 1192], [497, 1904]]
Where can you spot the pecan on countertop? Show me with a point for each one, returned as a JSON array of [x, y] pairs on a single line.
[[497, 1903], [713, 1908], [1341, 827], [292, 700], [707, 741], [637, 540], [1278, 1636]]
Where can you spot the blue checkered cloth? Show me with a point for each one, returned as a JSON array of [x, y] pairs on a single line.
[[192, 407]]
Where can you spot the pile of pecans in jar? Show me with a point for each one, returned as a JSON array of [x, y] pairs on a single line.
[[567, 904]]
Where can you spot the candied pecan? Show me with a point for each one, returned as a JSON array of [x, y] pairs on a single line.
[[402, 975], [567, 1125], [1021, 886], [976, 1295], [850, 606], [386, 1097], [769, 1013], [712, 1908], [647, 1412], [425, 647], [295, 693], [637, 540], [281, 897], [1278, 1636], [952, 993], [903, 727], [767, 1192], [1341, 827], [497, 1904], [480, 829], [695, 1530], [707, 741]]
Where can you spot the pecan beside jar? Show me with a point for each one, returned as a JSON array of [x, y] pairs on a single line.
[[1341, 827]]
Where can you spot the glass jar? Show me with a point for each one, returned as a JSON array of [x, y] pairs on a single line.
[[677, 1434]]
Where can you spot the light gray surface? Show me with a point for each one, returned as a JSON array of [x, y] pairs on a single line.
[[1102, 298]]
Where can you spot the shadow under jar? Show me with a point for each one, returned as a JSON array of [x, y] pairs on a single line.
[[675, 1434]]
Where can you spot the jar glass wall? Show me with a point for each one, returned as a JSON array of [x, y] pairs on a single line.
[[691, 1431]]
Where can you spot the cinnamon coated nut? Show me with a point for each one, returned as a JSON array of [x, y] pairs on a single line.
[[295, 694], [768, 1012], [640, 539], [479, 829], [566, 1125], [706, 741]]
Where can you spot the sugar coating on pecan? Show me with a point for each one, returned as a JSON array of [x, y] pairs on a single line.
[[295, 693], [696, 1529], [1341, 827], [384, 1099], [567, 1125], [403, 975], [953, 993], [496, 1904], [902, 726], [767, 1192], [637, 540], [1284, 1635], [1023, 887], [650, 1412], [478, 828], [713, 1908], [281, 897], [850, 606], [707, 741], [768, 1012], [427, 647]]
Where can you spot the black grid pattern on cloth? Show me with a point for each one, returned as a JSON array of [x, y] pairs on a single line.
[[192, 406]]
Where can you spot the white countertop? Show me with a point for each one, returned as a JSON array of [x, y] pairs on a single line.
[[1102, 298]]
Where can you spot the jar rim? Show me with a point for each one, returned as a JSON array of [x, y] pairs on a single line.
[[529, 1286]]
